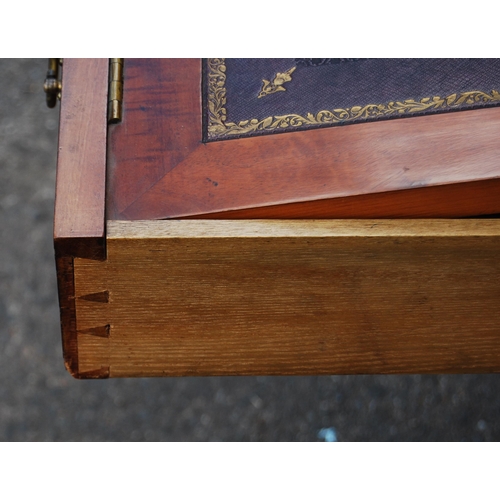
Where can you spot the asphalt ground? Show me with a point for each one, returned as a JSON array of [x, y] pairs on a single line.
[[40, 401]]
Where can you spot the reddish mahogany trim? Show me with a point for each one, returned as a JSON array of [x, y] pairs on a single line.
[[79, 221], [161, 126]]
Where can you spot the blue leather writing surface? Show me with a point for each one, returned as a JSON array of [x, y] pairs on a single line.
[[248, 97]]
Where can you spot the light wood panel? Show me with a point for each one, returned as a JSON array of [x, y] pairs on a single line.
[[291, 297]]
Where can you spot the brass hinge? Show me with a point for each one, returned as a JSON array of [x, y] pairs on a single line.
[[52, 84], [115, 99]]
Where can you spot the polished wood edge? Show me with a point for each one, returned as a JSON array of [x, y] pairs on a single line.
[[391, 228], [79, 217], [448, 201], [66, 291]]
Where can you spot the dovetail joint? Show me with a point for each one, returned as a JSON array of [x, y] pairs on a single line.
[[98, 331]]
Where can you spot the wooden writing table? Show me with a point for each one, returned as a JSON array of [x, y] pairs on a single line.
[[162, 273]]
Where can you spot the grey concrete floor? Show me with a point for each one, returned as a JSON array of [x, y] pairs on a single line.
[[40, 401]]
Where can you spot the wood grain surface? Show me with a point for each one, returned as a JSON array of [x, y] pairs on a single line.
[[79, 220], [291, 297], [159, 168]]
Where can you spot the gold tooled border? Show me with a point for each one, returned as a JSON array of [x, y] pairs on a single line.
[[219, 128]]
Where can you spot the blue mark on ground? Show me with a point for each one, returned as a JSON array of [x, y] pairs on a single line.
[[329, 434]]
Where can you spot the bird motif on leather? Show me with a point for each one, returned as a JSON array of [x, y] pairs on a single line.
[[277, 84]]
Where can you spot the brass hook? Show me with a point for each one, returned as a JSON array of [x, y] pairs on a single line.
[[52, 85]]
